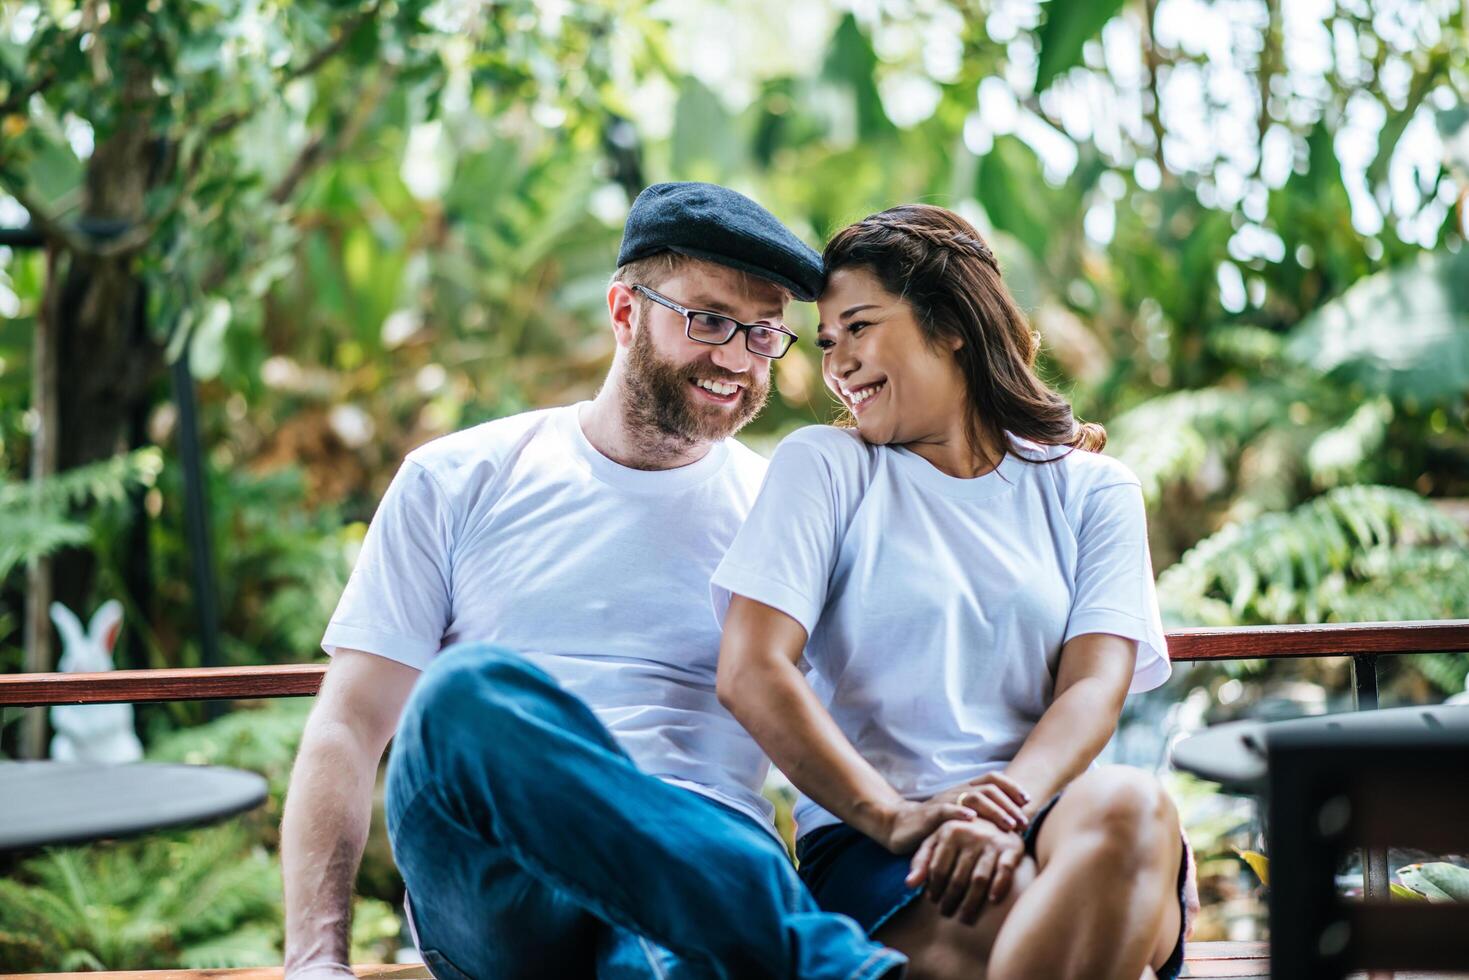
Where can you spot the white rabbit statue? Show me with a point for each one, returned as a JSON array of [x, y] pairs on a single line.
[[91, 732]]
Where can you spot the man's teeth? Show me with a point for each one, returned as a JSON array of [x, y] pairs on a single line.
[[718, 387], [860, 396]]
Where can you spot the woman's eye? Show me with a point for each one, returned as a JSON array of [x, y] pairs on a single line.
[[823, 345], [854, 328]]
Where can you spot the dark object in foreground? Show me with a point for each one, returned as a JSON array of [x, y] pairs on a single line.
[[1370, 786], [76, 802], [1234, 754]]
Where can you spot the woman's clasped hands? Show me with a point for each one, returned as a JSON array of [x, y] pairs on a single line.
[[968, 843]]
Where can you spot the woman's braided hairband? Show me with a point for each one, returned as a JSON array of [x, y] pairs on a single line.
[[954, 241]]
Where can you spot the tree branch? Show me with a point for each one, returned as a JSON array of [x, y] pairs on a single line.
[[322, 147], [1154, 62], [17, 101], [335, 137], [138, 236], [47, 224], [231, 120]]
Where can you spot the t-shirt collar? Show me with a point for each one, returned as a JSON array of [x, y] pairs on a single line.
[[639, 481], [999, 480]]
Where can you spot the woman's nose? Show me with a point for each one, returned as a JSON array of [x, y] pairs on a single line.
[[841, 360]]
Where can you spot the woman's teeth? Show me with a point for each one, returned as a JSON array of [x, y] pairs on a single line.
[[858, 397], [718, 387]]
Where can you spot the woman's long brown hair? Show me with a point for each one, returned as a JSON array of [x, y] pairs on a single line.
[[936, 262]]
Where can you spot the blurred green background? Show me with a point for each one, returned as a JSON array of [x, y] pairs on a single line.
[[1237, 225]]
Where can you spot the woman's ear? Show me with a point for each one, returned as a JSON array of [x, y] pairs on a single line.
[[956, 343]]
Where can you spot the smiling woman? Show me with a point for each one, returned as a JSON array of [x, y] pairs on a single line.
[[928, 280]]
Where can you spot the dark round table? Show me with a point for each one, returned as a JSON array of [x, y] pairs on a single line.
[[75, 802], [1233, 754]]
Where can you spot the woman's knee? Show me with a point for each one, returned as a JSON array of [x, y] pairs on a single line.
[[1127, 810]]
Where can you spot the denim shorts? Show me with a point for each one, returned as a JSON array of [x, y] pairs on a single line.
[[850, 873]]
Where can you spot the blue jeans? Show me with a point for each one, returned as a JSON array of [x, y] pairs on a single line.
[[533, 846]]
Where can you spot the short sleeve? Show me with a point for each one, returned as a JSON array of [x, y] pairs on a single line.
[[1114, 591], [397, 602], [784, 553]]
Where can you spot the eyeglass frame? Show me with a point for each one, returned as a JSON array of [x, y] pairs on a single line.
[[688, 316]]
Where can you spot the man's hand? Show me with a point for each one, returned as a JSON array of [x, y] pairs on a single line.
[[994, 796], [965, 863], [909, 823]]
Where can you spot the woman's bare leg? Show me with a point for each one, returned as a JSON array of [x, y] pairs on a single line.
[[940, 948], [1104, 903]]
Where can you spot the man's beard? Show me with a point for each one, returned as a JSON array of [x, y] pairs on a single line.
[[656, 397]]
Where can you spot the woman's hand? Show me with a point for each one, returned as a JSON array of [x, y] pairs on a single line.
[[963, 864], [909, 823], [995, 797]]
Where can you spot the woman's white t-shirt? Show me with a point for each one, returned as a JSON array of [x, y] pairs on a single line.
[[936, 607]]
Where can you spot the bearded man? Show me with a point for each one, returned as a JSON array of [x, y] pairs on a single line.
[[530, 614]]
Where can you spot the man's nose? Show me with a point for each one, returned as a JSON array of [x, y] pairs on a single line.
[[734, 356]]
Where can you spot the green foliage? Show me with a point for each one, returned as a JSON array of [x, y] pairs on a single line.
[[1437, 881], [151, 903], [36, 521], [1403, 332], [1069, 24], [1373, 553]]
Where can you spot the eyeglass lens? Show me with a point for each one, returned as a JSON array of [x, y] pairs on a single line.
[[710, 328]]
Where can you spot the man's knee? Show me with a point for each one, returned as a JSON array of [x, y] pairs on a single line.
[[475, 677]]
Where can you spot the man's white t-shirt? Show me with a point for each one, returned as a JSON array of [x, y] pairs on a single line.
[[936, 607], [519, 533]]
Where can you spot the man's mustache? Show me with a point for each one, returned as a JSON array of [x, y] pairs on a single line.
[[709, 372]]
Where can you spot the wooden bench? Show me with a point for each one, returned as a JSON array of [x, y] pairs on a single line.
[[1363, 642], [1206, 961]]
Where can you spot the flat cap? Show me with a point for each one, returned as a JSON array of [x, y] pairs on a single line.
[[706, 221]]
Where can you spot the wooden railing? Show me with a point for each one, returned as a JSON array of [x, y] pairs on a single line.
[[1363, 642]]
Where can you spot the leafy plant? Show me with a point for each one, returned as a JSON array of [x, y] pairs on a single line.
[[36, 521], [1350, 551]]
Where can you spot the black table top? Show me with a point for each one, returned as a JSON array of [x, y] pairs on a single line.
[[45, 803], [1233, 754]]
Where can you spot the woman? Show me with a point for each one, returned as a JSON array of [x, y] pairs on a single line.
[[966, 583]]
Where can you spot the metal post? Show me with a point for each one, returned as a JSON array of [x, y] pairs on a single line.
[[196, 509], [1364, 681], [1375, 874]]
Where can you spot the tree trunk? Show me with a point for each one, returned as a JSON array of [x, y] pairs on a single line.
[[101, 331]]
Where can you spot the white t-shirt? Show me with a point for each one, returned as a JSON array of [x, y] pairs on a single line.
[[519, 533], [936, 607]]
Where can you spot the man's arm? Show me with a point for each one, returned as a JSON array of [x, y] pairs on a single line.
[[329, 806]]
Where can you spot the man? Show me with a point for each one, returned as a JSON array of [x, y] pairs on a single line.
[[572, 800]]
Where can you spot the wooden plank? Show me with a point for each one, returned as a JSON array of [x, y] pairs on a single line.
[[408, 971], [302, 680], [1206, 961], [1323, 640], [1220, 960], [199, 684]]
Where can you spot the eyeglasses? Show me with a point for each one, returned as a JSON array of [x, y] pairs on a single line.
[[767, 340]]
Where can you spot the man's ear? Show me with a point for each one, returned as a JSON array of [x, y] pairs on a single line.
[[620, 305]]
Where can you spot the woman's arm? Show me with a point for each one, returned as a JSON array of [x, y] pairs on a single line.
[[760, 685], [1091, 684]]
